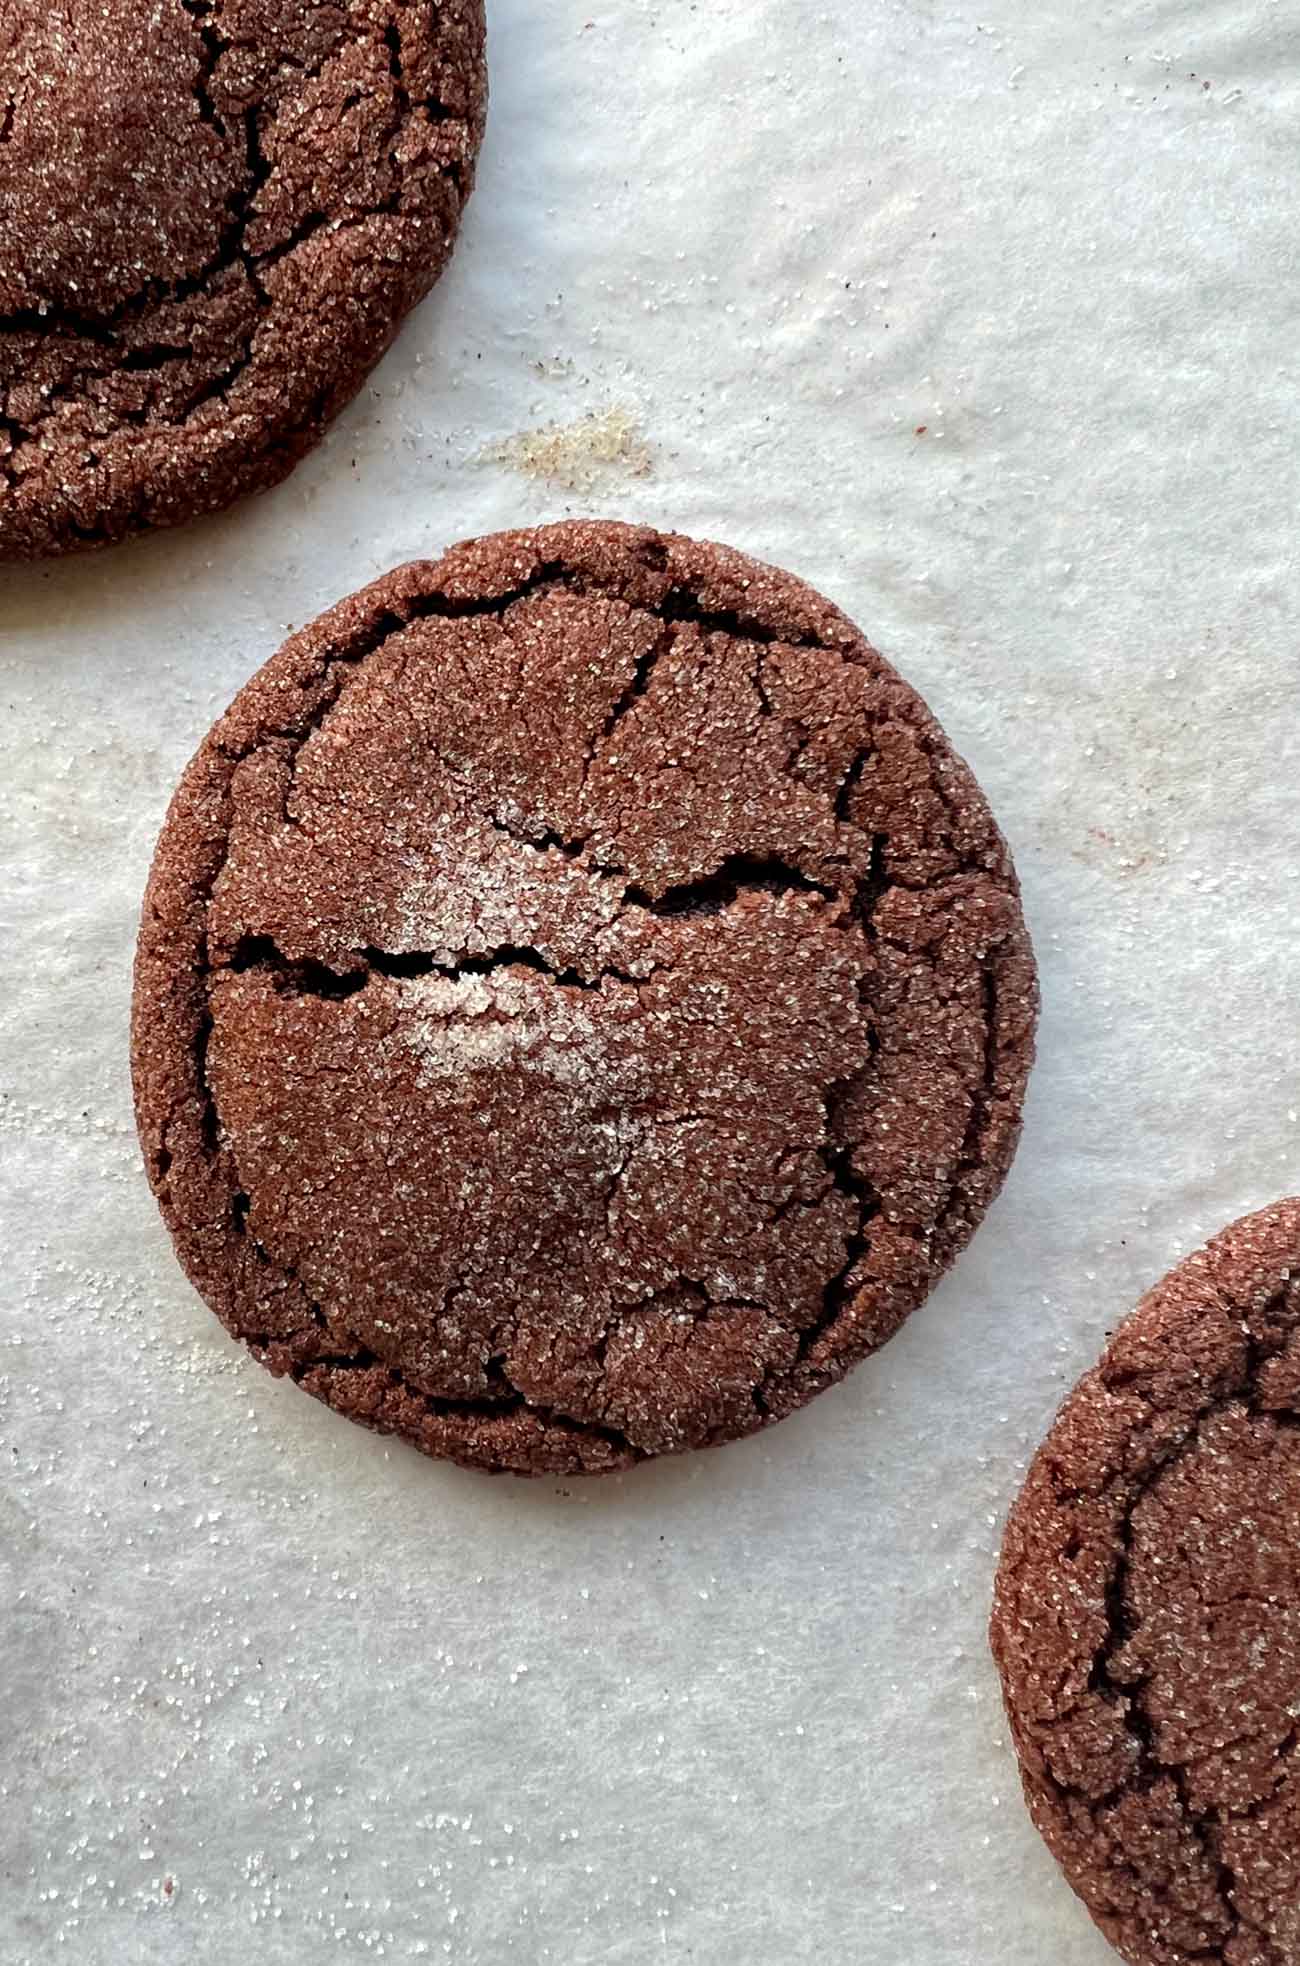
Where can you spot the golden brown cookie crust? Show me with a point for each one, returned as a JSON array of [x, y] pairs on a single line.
[[213, 216], [582, 1003], [1146, 1619]]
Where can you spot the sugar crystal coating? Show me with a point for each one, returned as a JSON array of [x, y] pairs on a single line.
[[213, 216], [582, 1003], [1147, 1614]]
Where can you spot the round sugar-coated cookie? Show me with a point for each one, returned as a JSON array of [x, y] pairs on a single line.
[[213, 216], [582, 1003], [1147, 1615]]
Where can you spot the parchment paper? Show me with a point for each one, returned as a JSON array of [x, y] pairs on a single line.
[[984, 318]]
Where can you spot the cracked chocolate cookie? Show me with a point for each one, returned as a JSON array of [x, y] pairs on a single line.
[[582, 1003], [213, 216], [1147, 1615]]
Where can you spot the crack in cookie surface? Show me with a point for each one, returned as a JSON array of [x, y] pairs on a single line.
[[618, 1018]]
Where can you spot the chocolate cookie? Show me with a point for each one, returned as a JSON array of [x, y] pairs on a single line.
[[213, 216], [582, 1003], [1147, 1615]]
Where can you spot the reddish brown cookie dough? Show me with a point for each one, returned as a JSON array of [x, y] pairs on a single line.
[[213, 216], [1147, 1615], [582, 1003]]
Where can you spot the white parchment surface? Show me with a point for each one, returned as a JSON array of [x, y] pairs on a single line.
[[982, 316]]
